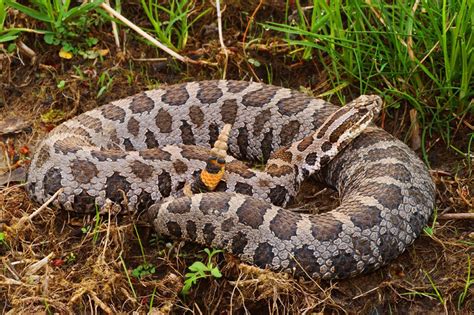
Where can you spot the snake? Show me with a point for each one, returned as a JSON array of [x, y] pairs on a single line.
[[141, 151]]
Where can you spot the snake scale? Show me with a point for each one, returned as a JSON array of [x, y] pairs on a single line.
[[140, 151]]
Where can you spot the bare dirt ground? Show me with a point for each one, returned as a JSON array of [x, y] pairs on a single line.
[[90, 261]]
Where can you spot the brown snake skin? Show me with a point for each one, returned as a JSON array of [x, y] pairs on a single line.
[[127, 151]]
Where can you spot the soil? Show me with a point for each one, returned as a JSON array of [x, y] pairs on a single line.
[[90, 260]]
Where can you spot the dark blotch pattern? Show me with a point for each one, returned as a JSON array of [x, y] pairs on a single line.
[[344, 264], [155, 154], [266, 147], [229, 111], [108, 155], [278, 195], [288, 132], [366, 216], [252, 211], [141, 170], [133, 126], [52, 181], [278, 171], [213, 134], [217, 204], [113, 112], [192, 152], [326, 146], [174, 229], [209, 92], [304, 256], [208, 233], [284, 225], [239, 241], [164, 184], [90, 122], [294, 104], [388, 247], [144, 201], [164, 121], [236, 86], [191, 229], [150, 140], [180, 167], [311, 158], [70, 145], [243, 142], [305, 143], [239, 168], [128, 145], [175, 95], [43, 156], [263, 255], [260, 97], [187, 133], [243, 188], [141, 103], [83, 171], [260, 121], [196, 115], [227, 225], [325, 228], [116, 187], [83, 203], [388, 195], [180, 206]]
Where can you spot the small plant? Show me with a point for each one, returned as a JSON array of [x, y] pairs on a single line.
[[469, 283], [143, 270], [171, 24], [104, 83], [3, 239], [200, 270], [70, 258], [67, 26]]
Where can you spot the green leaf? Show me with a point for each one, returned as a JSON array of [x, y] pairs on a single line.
[[216, 273], [197, 266], [49, 38], [61, 84], [29, 11], [7, 37]]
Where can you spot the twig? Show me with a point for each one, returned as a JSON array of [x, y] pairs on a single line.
[[221, 37], [146, 35], [251, 19], [22, 221], [114, 29], [457, 216], [99, 302]]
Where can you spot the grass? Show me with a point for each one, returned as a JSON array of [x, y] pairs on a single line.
[[171, 23], [416, 53], [66, 25]]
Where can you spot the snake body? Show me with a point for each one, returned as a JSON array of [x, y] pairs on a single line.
[[140, 152]]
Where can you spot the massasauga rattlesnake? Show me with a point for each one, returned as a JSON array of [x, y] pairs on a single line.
[[127, 151]]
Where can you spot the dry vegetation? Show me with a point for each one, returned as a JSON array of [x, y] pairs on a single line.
[[57, 262]]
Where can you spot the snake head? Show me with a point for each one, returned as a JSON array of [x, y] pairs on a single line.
[[337, 131]]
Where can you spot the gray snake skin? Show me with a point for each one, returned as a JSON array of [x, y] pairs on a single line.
[[140, 152]]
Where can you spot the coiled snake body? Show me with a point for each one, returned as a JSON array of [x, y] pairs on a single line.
[[127, 151]]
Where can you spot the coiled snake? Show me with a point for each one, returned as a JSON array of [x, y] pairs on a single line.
[[141, 151]]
